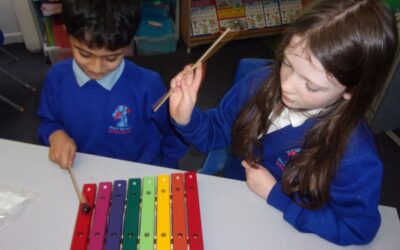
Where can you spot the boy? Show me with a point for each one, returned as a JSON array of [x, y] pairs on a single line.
[[98, 102]]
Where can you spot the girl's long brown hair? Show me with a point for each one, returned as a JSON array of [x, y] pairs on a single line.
[[355, 40]]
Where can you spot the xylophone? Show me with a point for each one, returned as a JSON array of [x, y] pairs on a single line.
[[155, 215]]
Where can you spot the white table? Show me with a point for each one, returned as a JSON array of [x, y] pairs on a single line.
[[232, 216]]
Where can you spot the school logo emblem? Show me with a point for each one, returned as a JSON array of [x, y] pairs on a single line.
[[120, 117], [281, 162]]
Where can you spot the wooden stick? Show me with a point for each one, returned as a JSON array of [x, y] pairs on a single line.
[[161, 101], [81, 197]]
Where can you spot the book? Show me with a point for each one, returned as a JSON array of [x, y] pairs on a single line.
[[231, 14], [254, 14], [48, 30], [290, 9], [272, 13], [61, 37], [204, 19], [52, 8]]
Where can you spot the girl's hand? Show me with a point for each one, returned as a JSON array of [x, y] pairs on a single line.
[[259, 179], [62, 149], [184, 88]]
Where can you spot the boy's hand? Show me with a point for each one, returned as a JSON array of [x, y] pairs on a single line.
[[62, 149], [259, 179], [185, 86]]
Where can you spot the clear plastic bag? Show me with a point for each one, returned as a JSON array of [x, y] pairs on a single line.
[[12, 202]]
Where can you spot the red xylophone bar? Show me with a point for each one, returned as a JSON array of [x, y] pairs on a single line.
[[82, 225], [193, 212]]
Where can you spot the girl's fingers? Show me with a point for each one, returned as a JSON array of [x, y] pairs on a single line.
[[200, 70], [173, 84], [246, 165], [187, 68]]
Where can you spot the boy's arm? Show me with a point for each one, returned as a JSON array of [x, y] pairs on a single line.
[[62, 149], [48, 111], [173, 147], [51, 131]]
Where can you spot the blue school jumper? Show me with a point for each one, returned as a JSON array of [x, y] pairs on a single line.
[[350, 216], [117, 123]]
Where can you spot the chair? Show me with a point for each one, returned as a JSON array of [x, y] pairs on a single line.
[[218, 158], [2, 70], [384, 114]]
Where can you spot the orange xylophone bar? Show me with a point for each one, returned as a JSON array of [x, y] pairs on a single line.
[[149, 206]]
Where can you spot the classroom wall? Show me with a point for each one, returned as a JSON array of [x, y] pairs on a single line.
[[9, 23], [18, 23]]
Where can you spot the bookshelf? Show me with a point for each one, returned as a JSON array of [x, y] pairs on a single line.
[[193, 41], [54, 38]]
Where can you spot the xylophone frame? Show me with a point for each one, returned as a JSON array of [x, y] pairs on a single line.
[[126, 219]]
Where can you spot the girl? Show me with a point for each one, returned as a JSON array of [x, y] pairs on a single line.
[[298, 126]]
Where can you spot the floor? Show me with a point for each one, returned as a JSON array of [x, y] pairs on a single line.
[[32, 68]]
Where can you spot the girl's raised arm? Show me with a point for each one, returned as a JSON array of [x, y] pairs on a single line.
[[185, 86]]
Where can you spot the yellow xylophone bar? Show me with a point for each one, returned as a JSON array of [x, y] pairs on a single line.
[[163, 213]]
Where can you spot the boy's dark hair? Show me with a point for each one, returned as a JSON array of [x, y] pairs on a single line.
[[99, 24]]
